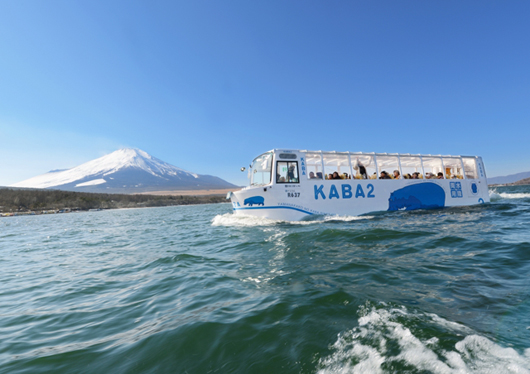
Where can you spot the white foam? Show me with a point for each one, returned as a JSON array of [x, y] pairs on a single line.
[[346, 218], [521, 195], [364, 348], [229, 219], [495, 195], [489, 357]]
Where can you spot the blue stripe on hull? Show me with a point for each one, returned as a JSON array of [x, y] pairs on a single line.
[[275, 207]]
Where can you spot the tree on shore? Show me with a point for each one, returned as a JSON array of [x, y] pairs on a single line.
[[23, 200]]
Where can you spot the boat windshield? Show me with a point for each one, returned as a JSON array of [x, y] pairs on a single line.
[[260, 170]]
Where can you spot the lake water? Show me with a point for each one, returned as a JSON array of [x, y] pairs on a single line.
[[193, 289]]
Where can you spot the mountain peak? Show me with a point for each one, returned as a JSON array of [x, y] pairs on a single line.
[[126, 168]]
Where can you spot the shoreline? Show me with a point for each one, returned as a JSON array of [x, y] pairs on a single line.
[[14, 202], [51, 212], [218, 192]]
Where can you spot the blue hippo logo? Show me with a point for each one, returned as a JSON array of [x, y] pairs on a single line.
[[258, 200], [474, 188], [417, 196]]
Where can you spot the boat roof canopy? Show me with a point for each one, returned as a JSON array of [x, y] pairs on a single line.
[[277, 150]]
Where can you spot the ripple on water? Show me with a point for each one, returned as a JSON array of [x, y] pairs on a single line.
[[198, 289]]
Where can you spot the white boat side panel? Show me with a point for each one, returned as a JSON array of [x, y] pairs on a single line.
[[294, 201]]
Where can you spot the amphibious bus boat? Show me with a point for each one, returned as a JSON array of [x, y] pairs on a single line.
[[293, 184]]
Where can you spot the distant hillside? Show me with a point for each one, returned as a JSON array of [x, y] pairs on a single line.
[[523, 181], [509, 178]]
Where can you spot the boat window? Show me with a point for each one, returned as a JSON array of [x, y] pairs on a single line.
[[432, 166], [260, 170], [387, 164], [313, 163], [287, 172], [470, 167], [363, 167], [453, 168], [336, 162], [411, 167]]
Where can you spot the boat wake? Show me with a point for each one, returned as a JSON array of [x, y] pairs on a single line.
[[230, 219], [392, 339], [495, 196]]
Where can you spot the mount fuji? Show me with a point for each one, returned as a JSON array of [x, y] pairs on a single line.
[[124, 171]]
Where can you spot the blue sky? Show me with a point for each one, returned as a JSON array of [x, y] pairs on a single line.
[[209, 85]]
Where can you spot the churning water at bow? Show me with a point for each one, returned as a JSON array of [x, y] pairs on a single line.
[[195, 289]]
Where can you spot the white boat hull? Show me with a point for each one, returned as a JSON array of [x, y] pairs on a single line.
[[355, 197]]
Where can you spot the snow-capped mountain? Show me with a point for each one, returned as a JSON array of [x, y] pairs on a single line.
[[124, 171]]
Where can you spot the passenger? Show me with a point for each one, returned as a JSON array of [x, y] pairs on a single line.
[[312, 175], [440, 175], [408, 176], [319, 175], [336, 175], [396, 174], [415, 175], [290, 174], [282, 180], [345, 176], [362, 171], [429, 175], [384, 175], [360, 168]]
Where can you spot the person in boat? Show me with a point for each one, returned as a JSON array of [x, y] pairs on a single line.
[[312, 175], [290, 174], [429, 175], [440, 176], [396, 174], [360, 168], [415, 175], [335, 175], [384, 175]]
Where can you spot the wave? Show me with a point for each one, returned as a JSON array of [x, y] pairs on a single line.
[[346, 218], [230, 219], [391, 338], [506, 195], [495, 196]]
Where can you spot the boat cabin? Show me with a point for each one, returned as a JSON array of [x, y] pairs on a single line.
[[318, 182]]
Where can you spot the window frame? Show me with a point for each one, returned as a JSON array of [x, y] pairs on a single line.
[[278, 176], [252, 170]]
